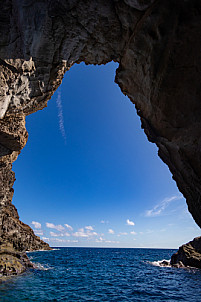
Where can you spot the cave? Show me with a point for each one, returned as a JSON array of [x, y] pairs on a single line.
[[157, 46]]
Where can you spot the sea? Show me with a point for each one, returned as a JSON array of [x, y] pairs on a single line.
[[103, 274]]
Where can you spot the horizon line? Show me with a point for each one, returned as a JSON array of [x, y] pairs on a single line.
[[109, 247]]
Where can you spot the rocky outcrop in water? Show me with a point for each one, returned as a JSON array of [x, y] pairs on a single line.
[[12, 262], [157, 46], [188, 254]]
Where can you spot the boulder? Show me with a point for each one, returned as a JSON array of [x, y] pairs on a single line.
[[12, 262], [189, 254]]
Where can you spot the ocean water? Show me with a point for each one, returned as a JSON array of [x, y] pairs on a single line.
[[101, 274]]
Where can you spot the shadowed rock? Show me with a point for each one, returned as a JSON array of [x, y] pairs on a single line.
[[188, 254], [12, 262]]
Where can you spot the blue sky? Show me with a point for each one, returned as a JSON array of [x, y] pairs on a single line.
[[88, 175]]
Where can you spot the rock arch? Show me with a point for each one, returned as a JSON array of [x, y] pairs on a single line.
[[157, 46]]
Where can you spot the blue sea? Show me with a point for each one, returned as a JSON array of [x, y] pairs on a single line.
[[103, 274]]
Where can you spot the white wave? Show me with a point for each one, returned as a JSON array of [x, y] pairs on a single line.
[[34, 251], [161, 263], [41, 267]]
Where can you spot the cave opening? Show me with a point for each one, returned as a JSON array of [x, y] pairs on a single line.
[[88, 163]]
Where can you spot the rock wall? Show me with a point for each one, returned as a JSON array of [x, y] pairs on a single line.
[[13, 232], [157, 46], [188, 255]]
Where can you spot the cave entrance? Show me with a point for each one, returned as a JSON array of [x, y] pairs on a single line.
[[88, 163]]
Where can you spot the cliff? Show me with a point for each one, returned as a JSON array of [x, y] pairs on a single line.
[[189, 254], [157, 46]]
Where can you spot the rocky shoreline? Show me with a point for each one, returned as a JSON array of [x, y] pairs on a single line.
[[12, 262], [188, 255], [16, 238]]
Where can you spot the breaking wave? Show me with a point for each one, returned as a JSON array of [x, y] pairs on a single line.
[[34, 251], [161, 263], [44, 267], [102, 274]]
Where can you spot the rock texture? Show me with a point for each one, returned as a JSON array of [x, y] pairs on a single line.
[[157, 46], [12, 262], [188, 254], [15, 236]]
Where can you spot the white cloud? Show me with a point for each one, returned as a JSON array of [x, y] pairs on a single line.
[[80, 233], [103, 221], [62, 240], [56, 227], [123, 233], [59, 240], [45, 238], [53, 234], [89, 227], [66, 234], [110, 231], [38, 232], [93, 234], [60, 115], [129, 222], [36, 224], [100, 239], [68, 226], [133, 233], [160, 207], [84, 233]]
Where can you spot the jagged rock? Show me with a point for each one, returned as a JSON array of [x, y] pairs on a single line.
[[12, 262], [18, 234], [157, 46], [12, 231], [188, 254], [164, 263]]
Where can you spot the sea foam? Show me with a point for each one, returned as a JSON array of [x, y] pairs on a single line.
[[42, 267], [161, 263]]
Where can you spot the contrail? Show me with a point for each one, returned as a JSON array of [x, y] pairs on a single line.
[[60, 115]]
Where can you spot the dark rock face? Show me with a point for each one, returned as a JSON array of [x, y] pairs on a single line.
[[12, 262], [12, 230], [157, 46], [19, 235], [157, 60], [188, 254]]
